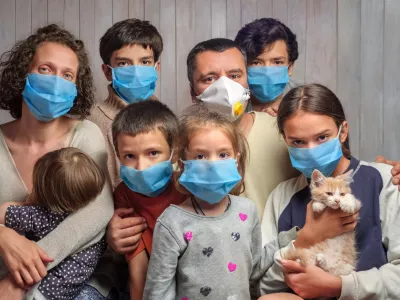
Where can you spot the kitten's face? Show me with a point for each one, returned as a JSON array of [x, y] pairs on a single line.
[[330, 192]]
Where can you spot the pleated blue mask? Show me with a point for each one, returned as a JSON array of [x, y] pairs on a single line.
[[151, 181], [208, 180], [324, 157], [134, 83], [48, 96], [267, 83]]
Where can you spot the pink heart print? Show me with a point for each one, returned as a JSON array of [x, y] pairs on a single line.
[[188, 236], [243, 217], [231, 267]]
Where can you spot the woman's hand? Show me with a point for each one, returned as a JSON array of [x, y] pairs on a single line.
[[325, 225], [10, 290], [311, 282], [24, 259], [124, 231], [395, 170]]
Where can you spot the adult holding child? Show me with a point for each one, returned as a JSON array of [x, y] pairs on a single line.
[[46, 85]]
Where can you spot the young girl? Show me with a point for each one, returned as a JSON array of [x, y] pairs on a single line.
[[64, 181], [313, 124], [210, 245]]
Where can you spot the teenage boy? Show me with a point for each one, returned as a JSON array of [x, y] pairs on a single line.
[[271, 50], [130, 51]]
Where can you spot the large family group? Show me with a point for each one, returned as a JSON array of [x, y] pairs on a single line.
[[252, 193]]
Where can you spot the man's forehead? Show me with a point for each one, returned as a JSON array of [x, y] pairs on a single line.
[[209, 61]]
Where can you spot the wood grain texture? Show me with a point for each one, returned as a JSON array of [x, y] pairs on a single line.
[[371, 123], [136, 9], [203, 20], [39, 14], [349, 67], [23, 19], [55, 12], [120, 10], [249, 11], [71, 16], [233, 18], [280, 10], [218, 18], [265, 9]]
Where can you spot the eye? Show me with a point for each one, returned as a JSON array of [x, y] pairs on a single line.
[[68, 76], [200, 156], [44, 70], [255, 63], [279, 62], [342, 194], [224, 155], [123, 64], [322, 138], [297, 142], [329, 193], [208, 79], [129, 156], [234, 76], [154, 153], [146, 62]]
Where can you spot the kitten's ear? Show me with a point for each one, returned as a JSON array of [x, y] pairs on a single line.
[[317, 178], [347, 177]]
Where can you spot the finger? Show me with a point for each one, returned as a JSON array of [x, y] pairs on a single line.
[[291, 266], [138, 224], [41, 269], [127, 250], [391, 162], [380, 159], [130, 241], [26, 277], [349, 219], [44, 257], [18, 279], [349, 227], [123, 212], [35, 275]]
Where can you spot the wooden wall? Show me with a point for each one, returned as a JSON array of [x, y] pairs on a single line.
[[352, 46]]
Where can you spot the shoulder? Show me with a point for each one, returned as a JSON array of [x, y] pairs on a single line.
[[103, 115], [290, 187], [88, 137]]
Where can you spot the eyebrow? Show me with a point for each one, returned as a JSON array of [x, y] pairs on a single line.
[[123, 58], [318, 134], [235, 71], [147, 57]]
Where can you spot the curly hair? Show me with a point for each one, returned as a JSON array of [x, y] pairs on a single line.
[[14, 67]]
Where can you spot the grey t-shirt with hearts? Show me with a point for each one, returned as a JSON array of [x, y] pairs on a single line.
[[199, 257]]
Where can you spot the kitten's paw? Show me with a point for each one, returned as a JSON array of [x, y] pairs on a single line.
[[348, 204], [318, 206], [321, 261]]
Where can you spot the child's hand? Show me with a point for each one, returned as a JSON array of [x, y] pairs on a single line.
[[325, 225], [124, 231], [395, 170], [311, 282]]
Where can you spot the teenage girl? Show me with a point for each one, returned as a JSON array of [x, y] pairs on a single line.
[[210, 245], [313, 124]]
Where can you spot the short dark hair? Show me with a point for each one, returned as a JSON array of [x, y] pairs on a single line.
[[130, 32], [313, 98], [254, 37], [14, 67], [143, 117], [215, 45]]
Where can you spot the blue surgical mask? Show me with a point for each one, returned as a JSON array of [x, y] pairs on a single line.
[[151, 181], [208, 180], [48, 97], [134, 83], [267, 83], [323, 158]]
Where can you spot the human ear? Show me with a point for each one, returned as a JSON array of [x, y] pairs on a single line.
[[107, 72]]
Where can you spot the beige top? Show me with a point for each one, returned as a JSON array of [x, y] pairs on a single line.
[[269, 162], [80, 229], [103, 115]]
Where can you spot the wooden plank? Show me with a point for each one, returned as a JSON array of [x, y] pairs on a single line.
[[264, 9], [219, 18], [297, 12], [152, 14], [55, 12], [234, 17], [23, 19], [120, 10], [136, 9], [168, 65], [7, 38], [391, 107], [103, 12], [39, 14], [203, 20], [280, 10], [349, 68], [249, 11], [185, 35], [372, 23], [321, 48], [71, 16]]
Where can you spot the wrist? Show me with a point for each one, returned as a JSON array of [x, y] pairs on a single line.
[[303, 239], [335, 286]]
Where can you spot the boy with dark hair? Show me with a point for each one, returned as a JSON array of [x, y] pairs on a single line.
[[145, 135], [271, 49], [130, 51]]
